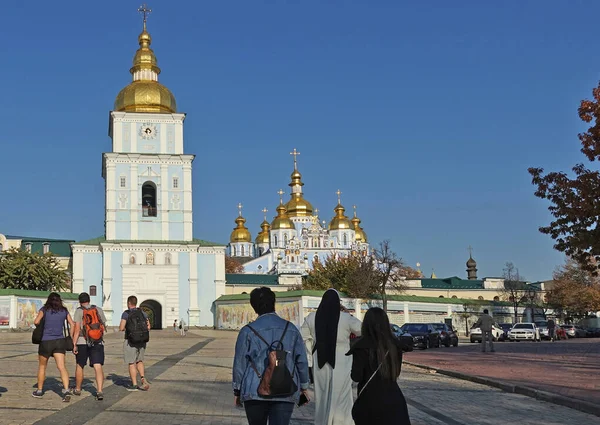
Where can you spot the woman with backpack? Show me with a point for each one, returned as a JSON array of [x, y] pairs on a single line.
[[327, 335], [52, 317], [376, 363]]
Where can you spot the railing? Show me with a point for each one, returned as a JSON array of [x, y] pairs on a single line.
[[149, 211]]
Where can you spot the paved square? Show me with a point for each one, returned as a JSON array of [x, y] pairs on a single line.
[[190, 379]]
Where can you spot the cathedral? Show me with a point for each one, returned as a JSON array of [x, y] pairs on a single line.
[[148, 248], [296, 238]]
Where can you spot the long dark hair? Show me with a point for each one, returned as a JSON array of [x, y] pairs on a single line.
[[54, 303], [376, 327]]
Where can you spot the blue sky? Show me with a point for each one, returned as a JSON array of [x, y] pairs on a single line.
[[425, 114]]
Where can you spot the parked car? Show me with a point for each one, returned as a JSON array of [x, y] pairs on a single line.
[[424, 335], [573, 331], [524, 332], [543, 328], [506, 327], [497, 332], [593, 332], [447, 334], [405, 337]]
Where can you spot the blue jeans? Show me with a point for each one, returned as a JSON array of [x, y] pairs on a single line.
[[276, 412]]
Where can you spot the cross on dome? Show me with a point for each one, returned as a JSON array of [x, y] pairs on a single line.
[[295, 153], [354, 208], [240, 209], [280, 193], [144, 11], [339, 195], [265, 211], [470, 249]]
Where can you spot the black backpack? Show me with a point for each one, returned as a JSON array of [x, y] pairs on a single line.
[[136, 328], [276, 380]]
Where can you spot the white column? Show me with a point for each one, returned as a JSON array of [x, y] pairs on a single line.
[[134, 208], [162, 133], [107, 285], [117, 135], [164, 201], [194, 309], [406, 313], [187, 202], [179, 137], [111, 195], [134, 136]]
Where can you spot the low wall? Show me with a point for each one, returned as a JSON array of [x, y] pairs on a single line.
[[18, 309]]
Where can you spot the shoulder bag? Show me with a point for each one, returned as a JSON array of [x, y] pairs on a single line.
[[38, 332], [67, 334], [373, 375]]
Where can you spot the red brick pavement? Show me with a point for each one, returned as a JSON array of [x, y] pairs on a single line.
[[569, 368]]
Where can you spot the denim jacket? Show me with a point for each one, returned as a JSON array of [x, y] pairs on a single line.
[[250, 348]]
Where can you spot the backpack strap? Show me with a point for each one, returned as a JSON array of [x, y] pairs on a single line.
[[258, 335]]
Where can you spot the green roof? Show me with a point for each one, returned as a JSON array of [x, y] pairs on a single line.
[[38, 294], [251, 279], [411, 298], [102, 239], [451, 283], [58, 247]]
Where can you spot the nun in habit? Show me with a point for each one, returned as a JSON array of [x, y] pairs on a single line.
[[327, 337]]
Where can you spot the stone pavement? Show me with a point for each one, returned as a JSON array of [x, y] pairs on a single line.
[[191, 376], [568, 368]]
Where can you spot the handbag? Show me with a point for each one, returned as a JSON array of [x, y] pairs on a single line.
[[68, 339], [38, 332], [373, 376]]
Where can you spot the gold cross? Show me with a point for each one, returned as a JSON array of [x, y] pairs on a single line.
[[145, 11], [339, 194], [240, 209], [295, 153], [470, 251], [317, 212], [280, 193], [265, 211], [354, 207]]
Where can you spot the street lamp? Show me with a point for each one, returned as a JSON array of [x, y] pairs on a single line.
[[531, 293]]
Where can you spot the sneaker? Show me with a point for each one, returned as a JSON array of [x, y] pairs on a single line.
[[132, 387], [37, 394], [66, 396], [144, 386], [75, 392], [99, 396]]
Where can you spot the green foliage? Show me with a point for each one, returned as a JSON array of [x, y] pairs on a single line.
[[20, 269]]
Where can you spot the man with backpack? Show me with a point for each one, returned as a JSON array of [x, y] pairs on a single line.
[[270, 368], [88, 335], [135, 324]]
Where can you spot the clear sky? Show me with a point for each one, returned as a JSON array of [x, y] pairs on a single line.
[[425, 114]]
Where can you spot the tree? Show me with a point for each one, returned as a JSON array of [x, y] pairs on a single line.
[[469, 310], [392, 272], [232, 266], [574, 202], [20, 269], [514, 290], [575, 291]]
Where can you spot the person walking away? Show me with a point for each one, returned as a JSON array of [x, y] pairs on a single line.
[[551, 330], [135, 324], [328, 331], [485, 323], [270, 369], [175, 326], [182, 327], [88, 335], [376, 363], [53, 344]]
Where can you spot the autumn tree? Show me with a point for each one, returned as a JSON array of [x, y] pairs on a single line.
[[574, 200], [391, 271], [575, 291], [20, 269], [514, 291], [232, 265]]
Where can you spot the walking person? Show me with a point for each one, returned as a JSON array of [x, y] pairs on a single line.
[[485, 323], [53, 343], [182, 327], [90, 325], [270, 370], [376, 363], [175, 326], [135, 324], [552, 330], [328, 333]]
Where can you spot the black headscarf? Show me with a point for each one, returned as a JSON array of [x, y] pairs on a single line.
[[326, 327]]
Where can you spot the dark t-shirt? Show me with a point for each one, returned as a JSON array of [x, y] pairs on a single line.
[[125, 316], [53, 324]]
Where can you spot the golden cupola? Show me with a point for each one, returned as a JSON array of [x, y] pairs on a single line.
[[297, 206], [145, 93], [340, 221], [360, 235], [263, 236], [240, 233], [282, 220]]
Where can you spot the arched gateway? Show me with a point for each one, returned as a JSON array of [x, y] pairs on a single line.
[[154, 311]]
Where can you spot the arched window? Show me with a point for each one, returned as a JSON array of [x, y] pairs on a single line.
[[260, 251], [93, 291], [132, 259], [285, 239], [149, 199], [275, 238], [1, 247], [496, 298], [441, 296], [233, 251], [168, 258], [243, 253], [292, 259], [480, 298], [46, 247], [149, 257], [345, 240], [454, 296]]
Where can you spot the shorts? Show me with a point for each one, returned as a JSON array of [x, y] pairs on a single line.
[[133, 354], [95, 353], [51, 347]]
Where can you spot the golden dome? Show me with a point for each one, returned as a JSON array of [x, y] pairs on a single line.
[[282, 221], [145, 93], [297, 206], [340, 221], [360, 235], [263, 236], [240, 233]]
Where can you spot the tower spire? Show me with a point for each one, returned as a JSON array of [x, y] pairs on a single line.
[[144, 11], [240, 209], [339, 195], [295, 153], [265, 211]]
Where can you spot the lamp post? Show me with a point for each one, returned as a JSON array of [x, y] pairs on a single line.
[[531, 293]]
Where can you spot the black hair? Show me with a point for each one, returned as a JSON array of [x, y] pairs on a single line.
[[132, 300], [84, 298], [376, 327], [262, 300], [54, 303], [485, 311]]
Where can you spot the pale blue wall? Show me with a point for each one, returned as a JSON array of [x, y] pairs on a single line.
[[116, 297], [184, 285], [150, 229], [206, 287], [92, 275], [175, 230]]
